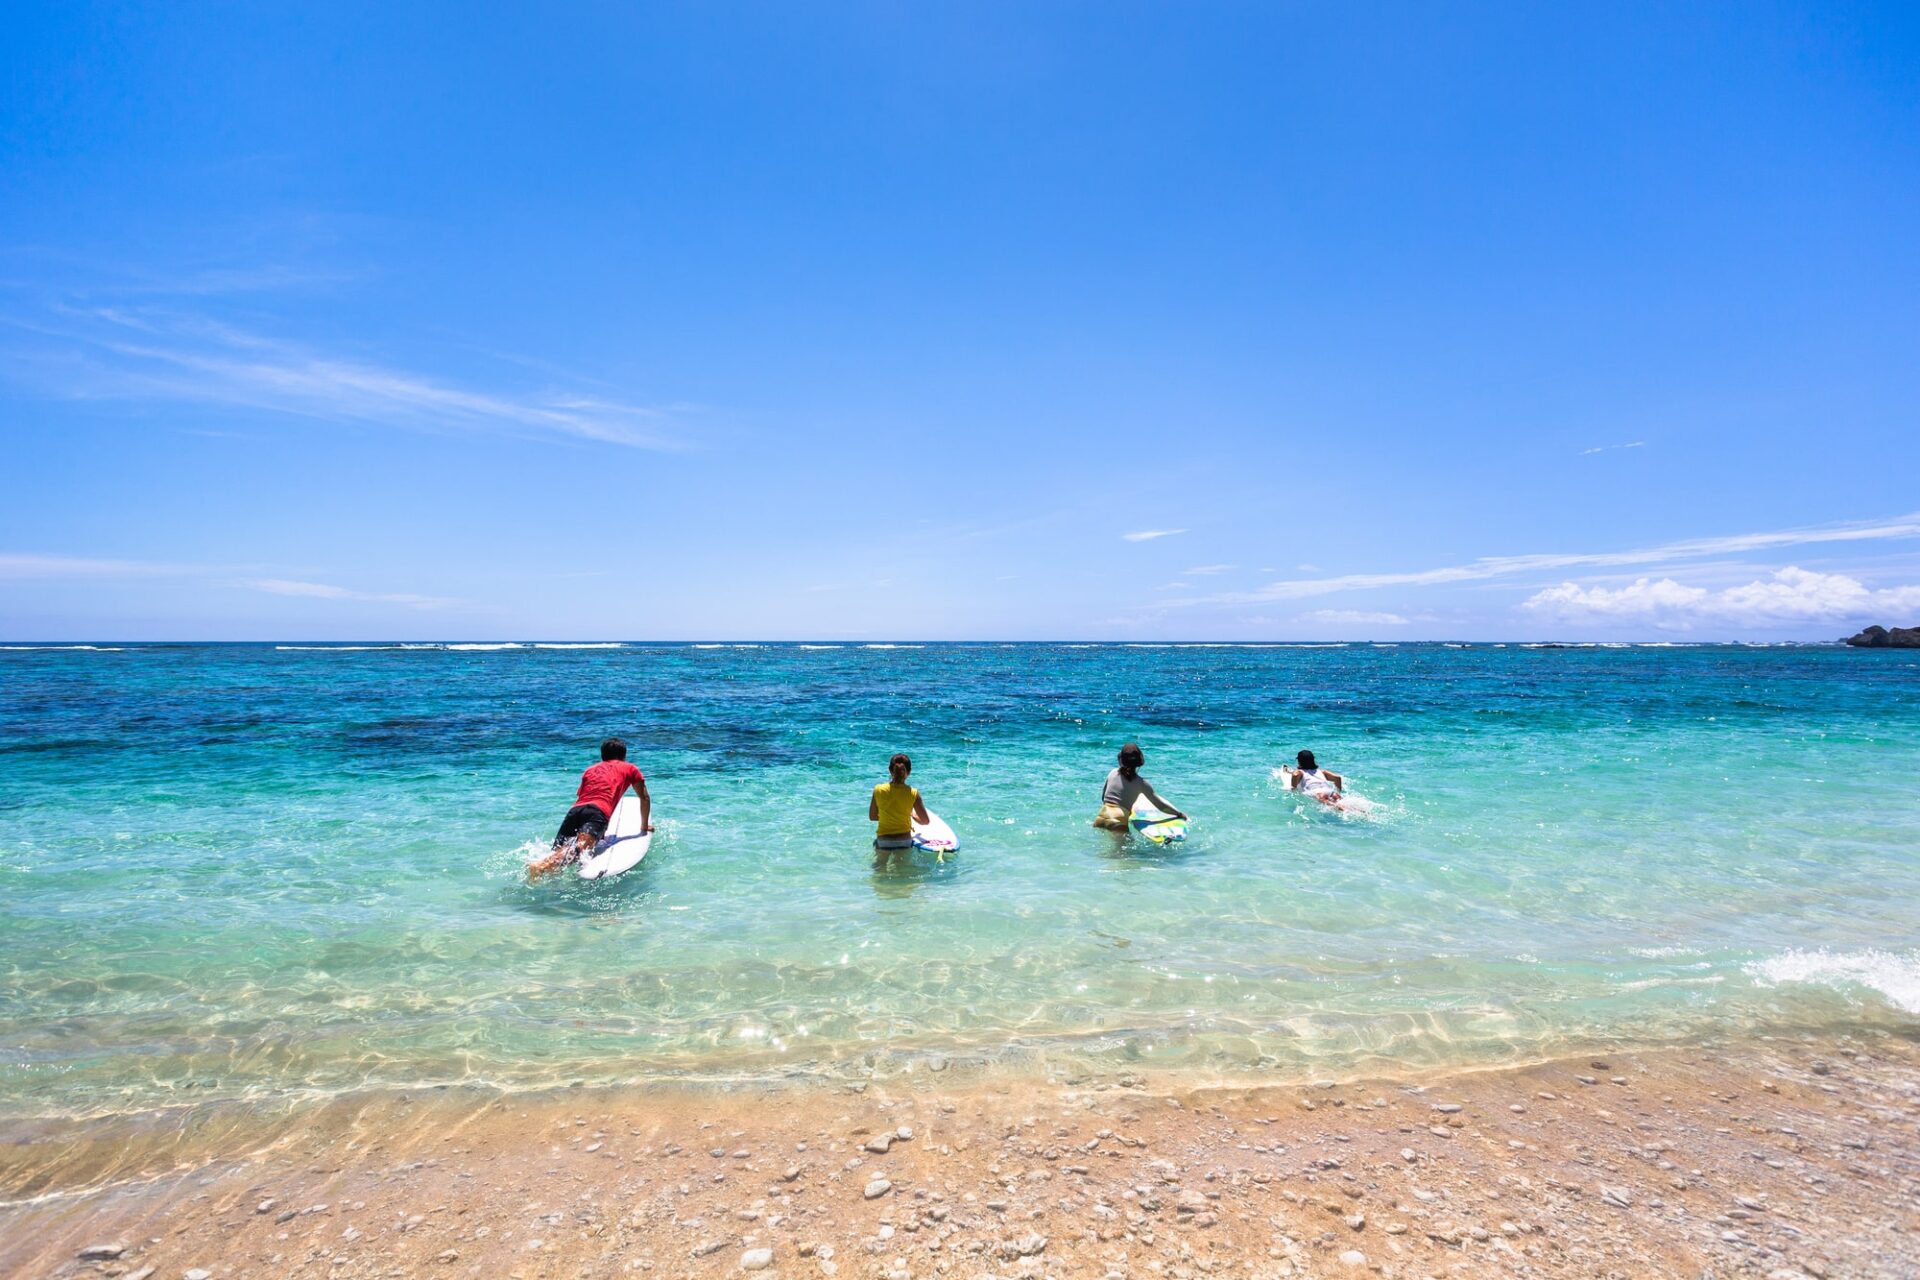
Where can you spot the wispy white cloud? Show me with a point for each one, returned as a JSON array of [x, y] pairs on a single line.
[[27, 565], [31, 567], [1355, 617], [1148, 535], [1206, 570], [215, 281], [1492, 567], [327, 591], [1791, 595], [155, 354], [1608, 448]]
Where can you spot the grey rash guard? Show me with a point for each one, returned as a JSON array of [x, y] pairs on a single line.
[[1123, 791]]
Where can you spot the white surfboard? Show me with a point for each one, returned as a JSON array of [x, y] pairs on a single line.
[[934, 835], [622, 847]]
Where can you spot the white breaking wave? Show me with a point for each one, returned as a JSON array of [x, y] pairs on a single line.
[[68, 648], [1252, 644], [823, 646], [582, 644], [414, 648], [1894, 975], [893, 646]]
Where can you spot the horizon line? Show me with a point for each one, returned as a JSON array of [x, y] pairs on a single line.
[[845, 642]]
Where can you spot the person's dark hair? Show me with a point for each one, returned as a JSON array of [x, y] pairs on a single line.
[[1132, 757], [1306, 760], [613, 749], [900, 762]]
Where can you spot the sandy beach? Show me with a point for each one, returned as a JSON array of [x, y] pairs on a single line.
[[1777, 1157]]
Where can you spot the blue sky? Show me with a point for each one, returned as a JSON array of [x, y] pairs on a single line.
[[899, 321]]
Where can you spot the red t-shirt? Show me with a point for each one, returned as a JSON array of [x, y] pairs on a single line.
[[601, 785]]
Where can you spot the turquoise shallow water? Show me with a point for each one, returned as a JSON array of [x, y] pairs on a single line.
[[235, 871]]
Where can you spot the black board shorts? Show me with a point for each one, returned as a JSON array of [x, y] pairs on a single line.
[[582, 817]]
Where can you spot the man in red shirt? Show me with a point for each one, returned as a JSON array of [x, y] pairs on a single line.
[[601, 787]]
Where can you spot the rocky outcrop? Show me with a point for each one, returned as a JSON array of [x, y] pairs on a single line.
[[1877, 637]]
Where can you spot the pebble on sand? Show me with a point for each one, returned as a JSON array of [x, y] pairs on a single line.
[[1354, 1258], [877, 1188], [101, 1252], [1025, 1247], [756, 1260]]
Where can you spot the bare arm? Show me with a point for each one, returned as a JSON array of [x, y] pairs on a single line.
[[646, 807], [920, 809], [873, 809], [1339, 780], [1158, 803]]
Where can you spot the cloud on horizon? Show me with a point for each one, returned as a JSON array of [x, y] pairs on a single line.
[[1792, 595], [326, 591], [1356, 618], [1492, 567], [1148, 535]]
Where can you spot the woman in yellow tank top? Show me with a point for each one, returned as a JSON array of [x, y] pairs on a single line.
[[894, 806]]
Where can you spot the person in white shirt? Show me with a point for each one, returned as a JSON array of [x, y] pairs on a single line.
[[1324, 785]]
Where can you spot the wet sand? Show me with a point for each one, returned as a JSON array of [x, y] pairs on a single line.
[[1775, 1157]]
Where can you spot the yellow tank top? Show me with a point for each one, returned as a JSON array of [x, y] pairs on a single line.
[[893, 801]]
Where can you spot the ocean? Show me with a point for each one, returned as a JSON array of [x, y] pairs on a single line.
[[237, 872]]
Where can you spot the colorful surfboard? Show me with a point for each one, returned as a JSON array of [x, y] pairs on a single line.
[[1159, 828]]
